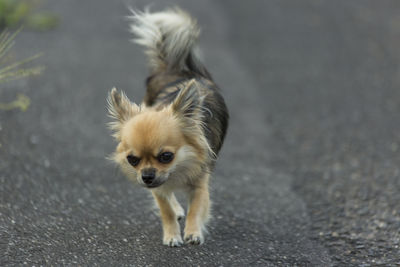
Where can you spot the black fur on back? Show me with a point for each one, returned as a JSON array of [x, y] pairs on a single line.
[[162, 88]]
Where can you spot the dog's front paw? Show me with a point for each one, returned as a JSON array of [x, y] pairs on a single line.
[[173, 241], [194, 238]]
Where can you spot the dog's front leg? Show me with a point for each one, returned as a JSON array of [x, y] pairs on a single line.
[[198, 213], [171, 230]]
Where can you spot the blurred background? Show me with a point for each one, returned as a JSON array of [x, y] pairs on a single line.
[[308, 176]]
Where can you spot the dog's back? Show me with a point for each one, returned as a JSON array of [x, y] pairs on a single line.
[[170, 38]]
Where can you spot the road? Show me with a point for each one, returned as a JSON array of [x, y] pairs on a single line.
[[309, 173]]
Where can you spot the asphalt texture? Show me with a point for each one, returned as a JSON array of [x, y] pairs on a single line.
[[310, 171]]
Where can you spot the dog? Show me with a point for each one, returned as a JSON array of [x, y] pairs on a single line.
[[170, 142]]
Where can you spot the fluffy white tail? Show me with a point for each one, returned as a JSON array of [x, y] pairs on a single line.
[[169, 37]]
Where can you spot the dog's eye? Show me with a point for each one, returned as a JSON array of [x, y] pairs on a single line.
[[166, 157], [134, 161]]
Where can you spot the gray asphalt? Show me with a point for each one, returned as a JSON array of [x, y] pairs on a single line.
[[308, 176]]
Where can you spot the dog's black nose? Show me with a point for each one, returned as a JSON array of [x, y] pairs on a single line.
[[148, 175], [148, 178]]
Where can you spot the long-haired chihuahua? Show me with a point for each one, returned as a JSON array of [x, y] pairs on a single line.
[[170, 141]]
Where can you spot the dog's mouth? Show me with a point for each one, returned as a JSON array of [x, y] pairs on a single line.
[[154, 184]]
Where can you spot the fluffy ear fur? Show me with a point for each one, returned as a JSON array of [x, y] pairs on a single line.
[[120, 109], [188, 101], [188, 107]]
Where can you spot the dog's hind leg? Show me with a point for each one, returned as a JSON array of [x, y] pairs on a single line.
[[179, 211]]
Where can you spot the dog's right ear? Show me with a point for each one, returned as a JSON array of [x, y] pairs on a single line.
[[120, 109]]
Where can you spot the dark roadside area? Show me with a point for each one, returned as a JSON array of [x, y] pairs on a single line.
[[330, 77], [308, 176]]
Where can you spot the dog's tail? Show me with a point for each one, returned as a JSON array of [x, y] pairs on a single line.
[[170, 39]]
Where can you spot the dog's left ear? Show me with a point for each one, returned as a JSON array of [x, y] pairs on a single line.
[[188, 101]]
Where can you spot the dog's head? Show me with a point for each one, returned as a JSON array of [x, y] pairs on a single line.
[[159, 145]]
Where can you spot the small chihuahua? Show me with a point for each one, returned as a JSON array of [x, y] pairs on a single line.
[[170, 142]]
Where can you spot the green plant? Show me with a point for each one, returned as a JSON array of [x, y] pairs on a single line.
[[22, 102], [14, 13], [11, 70]]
